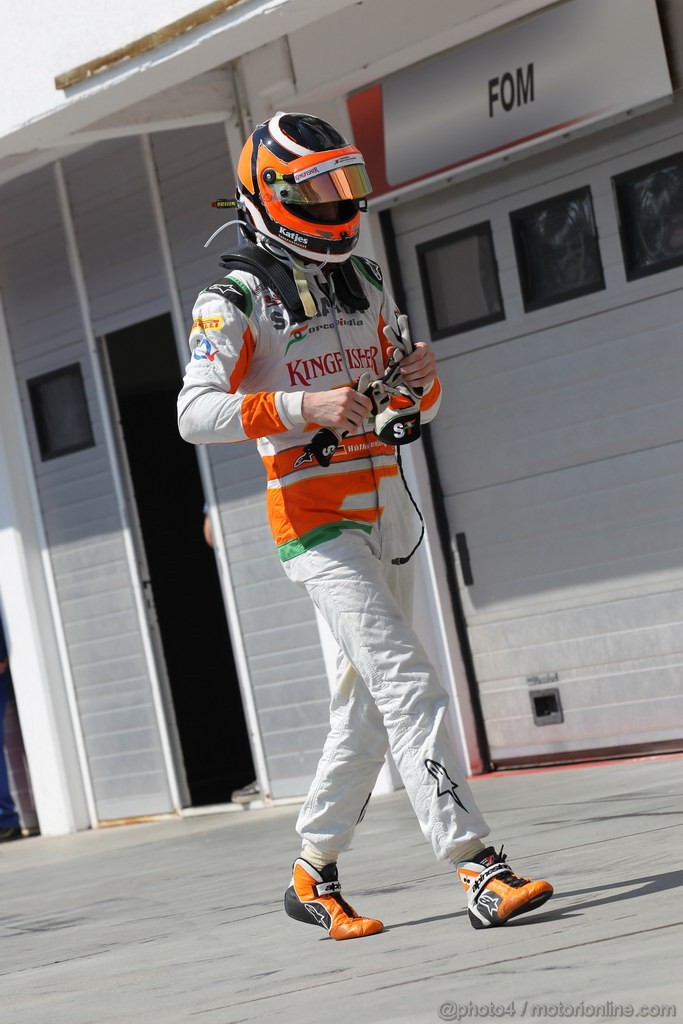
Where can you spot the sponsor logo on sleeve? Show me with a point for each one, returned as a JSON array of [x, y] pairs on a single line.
[[207, 323], [204, 350]]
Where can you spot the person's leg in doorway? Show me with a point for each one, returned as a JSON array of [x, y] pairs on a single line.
[[10, 827]]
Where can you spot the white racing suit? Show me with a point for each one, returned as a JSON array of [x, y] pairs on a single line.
[[337, 529]]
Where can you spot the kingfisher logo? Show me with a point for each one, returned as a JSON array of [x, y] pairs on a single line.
[[328, 165], [204, 350], [298, 334], [303, 371], [310, 172]]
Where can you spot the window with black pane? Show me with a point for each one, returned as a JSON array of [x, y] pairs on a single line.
[[460, 281], [557, 250], [650, 204], [60, 412]]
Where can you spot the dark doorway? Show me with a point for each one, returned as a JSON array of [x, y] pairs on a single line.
[[184, 578]]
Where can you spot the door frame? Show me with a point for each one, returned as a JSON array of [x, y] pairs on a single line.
[[445, 541], [143, 579], [127, 532]]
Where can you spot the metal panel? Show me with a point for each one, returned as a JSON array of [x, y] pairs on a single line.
[[81, 518], [115, 233], [288, 682], [193, 168], [561, 460]]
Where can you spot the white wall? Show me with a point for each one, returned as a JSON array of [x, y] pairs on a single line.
[[42, 39], [41, 695]]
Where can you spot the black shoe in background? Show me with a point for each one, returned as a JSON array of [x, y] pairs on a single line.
[[8, 834]]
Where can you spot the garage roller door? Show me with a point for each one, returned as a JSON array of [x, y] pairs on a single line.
[[560, 454]]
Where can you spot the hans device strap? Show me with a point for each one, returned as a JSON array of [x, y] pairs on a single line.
[[278, 278]]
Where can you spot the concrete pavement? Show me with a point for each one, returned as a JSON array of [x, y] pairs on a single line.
[[181, 920]]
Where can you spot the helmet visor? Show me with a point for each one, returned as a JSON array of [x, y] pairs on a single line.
[[324, 183]]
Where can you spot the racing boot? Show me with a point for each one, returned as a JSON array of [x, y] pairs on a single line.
[[495, 894], [314, 897]]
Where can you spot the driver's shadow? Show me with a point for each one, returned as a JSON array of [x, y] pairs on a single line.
[[635, 887]]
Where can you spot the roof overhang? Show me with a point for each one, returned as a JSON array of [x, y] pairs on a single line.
[[156, 83]]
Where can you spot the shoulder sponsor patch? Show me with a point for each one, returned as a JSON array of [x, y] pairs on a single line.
[[232, 292], [370, 270], [204, 350], [374, 268], [207, 323]]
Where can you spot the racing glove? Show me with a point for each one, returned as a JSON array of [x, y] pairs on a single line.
[[326, 440], [399, 421]]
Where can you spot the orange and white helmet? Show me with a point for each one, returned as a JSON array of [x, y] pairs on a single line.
[[288, 168]]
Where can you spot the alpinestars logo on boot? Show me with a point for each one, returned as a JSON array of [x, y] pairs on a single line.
[[318, 915], [444, 783]]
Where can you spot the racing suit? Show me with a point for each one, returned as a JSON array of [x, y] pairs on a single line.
[[337, 529]]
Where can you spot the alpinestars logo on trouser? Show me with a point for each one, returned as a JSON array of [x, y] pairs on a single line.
[[495, 893], [314, 897]]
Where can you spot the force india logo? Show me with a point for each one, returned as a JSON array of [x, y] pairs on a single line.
[[298, 334], [328, 165], [303, 371]]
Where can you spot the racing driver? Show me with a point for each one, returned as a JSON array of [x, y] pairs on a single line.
[[300, 347]]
